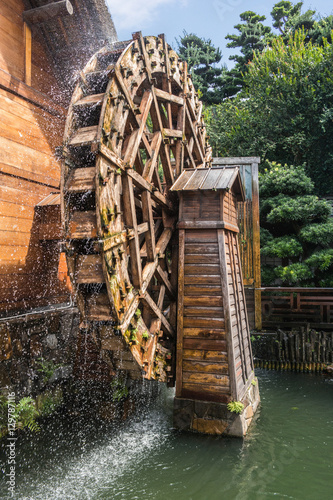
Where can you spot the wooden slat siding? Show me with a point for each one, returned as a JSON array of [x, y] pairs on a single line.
[[203, 319], [242, 326], [308, 305], [227, 313], [180, 312], [244, 317]]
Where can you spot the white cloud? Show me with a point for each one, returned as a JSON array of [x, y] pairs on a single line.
[[132, 14]]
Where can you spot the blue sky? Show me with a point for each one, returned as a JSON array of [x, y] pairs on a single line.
[[207, 18]]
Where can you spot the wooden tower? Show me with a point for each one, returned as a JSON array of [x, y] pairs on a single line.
[[214, 358]]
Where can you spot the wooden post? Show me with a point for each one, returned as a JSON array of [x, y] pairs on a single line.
[[47, 12], [256, 247], [27, 54]]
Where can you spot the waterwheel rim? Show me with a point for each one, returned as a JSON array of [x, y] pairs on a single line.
[[134, 123]]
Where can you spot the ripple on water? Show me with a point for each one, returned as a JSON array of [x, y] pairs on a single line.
[[287, 454]]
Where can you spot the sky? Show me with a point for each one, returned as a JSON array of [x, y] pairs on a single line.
[[212, 19]]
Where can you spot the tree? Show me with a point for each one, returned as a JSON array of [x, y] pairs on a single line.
[[288, 18], [285, 114], [292, 218], [202, 59], [252, 35]]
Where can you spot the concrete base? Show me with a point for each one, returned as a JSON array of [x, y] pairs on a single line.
[[215, 418]]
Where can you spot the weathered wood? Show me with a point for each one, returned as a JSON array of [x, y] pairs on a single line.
[[49, 11]]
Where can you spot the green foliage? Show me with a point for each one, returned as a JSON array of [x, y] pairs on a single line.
[[268, 275], [235, 407], [293, 274], [290, 217], [300, 209], [277, 179], [285, 112], [285, 246], [47, 368], [49, 402], [288, 18], [322, 260], [145, 335], [265, 237], [252, 35], [315, 233], [120, 391], [202, 59]]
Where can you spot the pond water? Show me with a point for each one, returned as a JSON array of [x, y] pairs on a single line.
[[287, 454]]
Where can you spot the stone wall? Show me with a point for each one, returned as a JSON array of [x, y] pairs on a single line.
[[37, 350]]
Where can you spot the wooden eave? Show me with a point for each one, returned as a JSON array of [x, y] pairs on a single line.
[[216, 178]]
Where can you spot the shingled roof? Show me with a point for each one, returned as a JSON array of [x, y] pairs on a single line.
[[214, 178]]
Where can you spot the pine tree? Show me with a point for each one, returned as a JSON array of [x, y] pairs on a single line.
[[203, 59]]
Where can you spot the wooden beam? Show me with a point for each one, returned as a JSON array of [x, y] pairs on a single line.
[[167, 97], [47, 12], [256, 247], [163, 279], [241, 160], [146, 298], [27, 55], [180, 314], [138, 181], [131, 222]]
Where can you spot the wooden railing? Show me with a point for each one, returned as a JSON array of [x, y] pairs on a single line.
[[288, 307]]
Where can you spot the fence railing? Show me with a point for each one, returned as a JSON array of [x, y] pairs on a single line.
[[287, 307]]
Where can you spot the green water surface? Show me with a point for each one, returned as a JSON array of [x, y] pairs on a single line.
[[287, 454]]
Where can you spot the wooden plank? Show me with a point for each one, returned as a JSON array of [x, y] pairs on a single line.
[[180, 307], [203, 224], [203, 322], [227, 313], [197, 290], [242, 160], [204, 355], [19, 88], [197, 248], [205, 367], [205, 392], [131, 222], [147, 214], [204, 344], [203, 280], [201, 259], [207, 312], [202, 270], [205, 378], [168, 97], [82, 180], [203, 301], [83, 225], [89, 269], [84, 136], [204, 333], [256, 245], [89, 100], [27, 54], [163, 279]]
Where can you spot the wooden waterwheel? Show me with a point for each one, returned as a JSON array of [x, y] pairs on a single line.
[[134, 123]]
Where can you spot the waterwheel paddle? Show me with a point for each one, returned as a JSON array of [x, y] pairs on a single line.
[[134, 123]]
